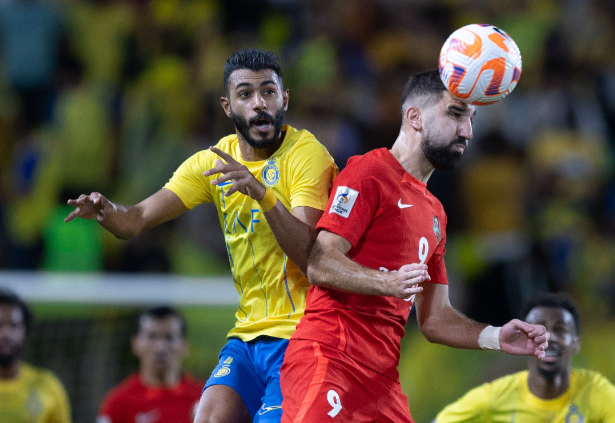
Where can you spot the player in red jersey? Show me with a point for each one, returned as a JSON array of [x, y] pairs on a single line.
[[380, 249], [159, 392]]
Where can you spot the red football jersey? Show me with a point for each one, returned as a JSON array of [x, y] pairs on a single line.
[[390, 219], [133, 402]]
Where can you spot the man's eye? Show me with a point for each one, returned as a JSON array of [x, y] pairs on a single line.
[[244, 94]]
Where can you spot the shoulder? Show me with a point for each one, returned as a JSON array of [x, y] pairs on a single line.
[[507, 383], [591, 378], [42, 377], [303, 140], [371, 164], [121, 393]]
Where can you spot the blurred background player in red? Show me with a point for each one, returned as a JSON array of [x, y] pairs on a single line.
[[159, 391], [384, 234], [550, 390], [27, 394]]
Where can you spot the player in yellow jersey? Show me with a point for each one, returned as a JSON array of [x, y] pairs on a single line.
[[551, 391], [270, 184], [27, 394]]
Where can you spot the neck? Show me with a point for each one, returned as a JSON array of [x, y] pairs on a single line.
[[151, 378], [251, 154], [548, 388], [407, 150], [11, 371]]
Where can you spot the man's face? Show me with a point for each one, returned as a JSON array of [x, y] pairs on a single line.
[[563, 342], [256, 103], [446, 129], [159, 345], [12, 334]]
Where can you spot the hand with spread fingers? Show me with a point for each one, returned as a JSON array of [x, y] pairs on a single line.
[[242, 179], [93, 206]]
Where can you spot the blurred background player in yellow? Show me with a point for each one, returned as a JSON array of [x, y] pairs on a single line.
[[159, 391], [550, 390], [27, 394], [270, 191]]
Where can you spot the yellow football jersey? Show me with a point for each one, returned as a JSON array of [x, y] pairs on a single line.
[[590, 398], [271, 288], [35, 396]]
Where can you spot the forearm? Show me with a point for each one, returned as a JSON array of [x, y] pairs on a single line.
[[333, 269], [294, 236], [124, 222], [440, 323], [449, 327]]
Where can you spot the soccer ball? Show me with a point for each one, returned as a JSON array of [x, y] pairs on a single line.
[[480, 64]]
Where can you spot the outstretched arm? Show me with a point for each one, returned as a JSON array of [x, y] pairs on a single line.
[[127, 221], [440, 323], [330, 267]]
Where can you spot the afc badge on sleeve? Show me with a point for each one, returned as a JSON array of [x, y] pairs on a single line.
[[343, 201]]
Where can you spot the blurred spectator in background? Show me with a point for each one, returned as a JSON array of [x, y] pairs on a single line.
[[551, 390], [30, 35], [27, 394], [158, 392]]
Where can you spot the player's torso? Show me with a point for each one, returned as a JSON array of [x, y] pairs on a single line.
[[161, 406], [406, 229], [272, 289], [29, 400], [518, 405]]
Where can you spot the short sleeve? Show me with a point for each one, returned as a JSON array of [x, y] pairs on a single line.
[[313, 172], [602, 400], [61, 409], [471, 408], [188, 181], [353, 203]]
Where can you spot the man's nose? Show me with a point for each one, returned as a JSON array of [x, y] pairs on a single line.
[[465, 130], [259, 102]]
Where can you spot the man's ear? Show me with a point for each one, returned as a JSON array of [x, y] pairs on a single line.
[[226, 105], [576, 345], [285, 98], [414, 118]]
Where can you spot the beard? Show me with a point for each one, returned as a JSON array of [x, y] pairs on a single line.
[[7, 360], [441, 157], [243, 126]]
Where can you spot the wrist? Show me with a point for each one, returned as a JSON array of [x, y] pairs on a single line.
[[489, 338], [268, 201]]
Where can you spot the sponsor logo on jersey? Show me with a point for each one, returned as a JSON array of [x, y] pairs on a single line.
[[264, 409], [436, 228], [271, 173], [151, 416], [343, 201], [223, 371]]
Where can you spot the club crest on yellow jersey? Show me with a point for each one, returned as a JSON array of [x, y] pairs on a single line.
[[574, 416], [271, 173]]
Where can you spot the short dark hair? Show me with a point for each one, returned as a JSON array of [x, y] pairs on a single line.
[[8, 297], [252, 59], [552, 300], [422, 84], [159, 313]]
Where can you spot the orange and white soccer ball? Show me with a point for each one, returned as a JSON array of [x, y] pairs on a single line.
[[480, 64]]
